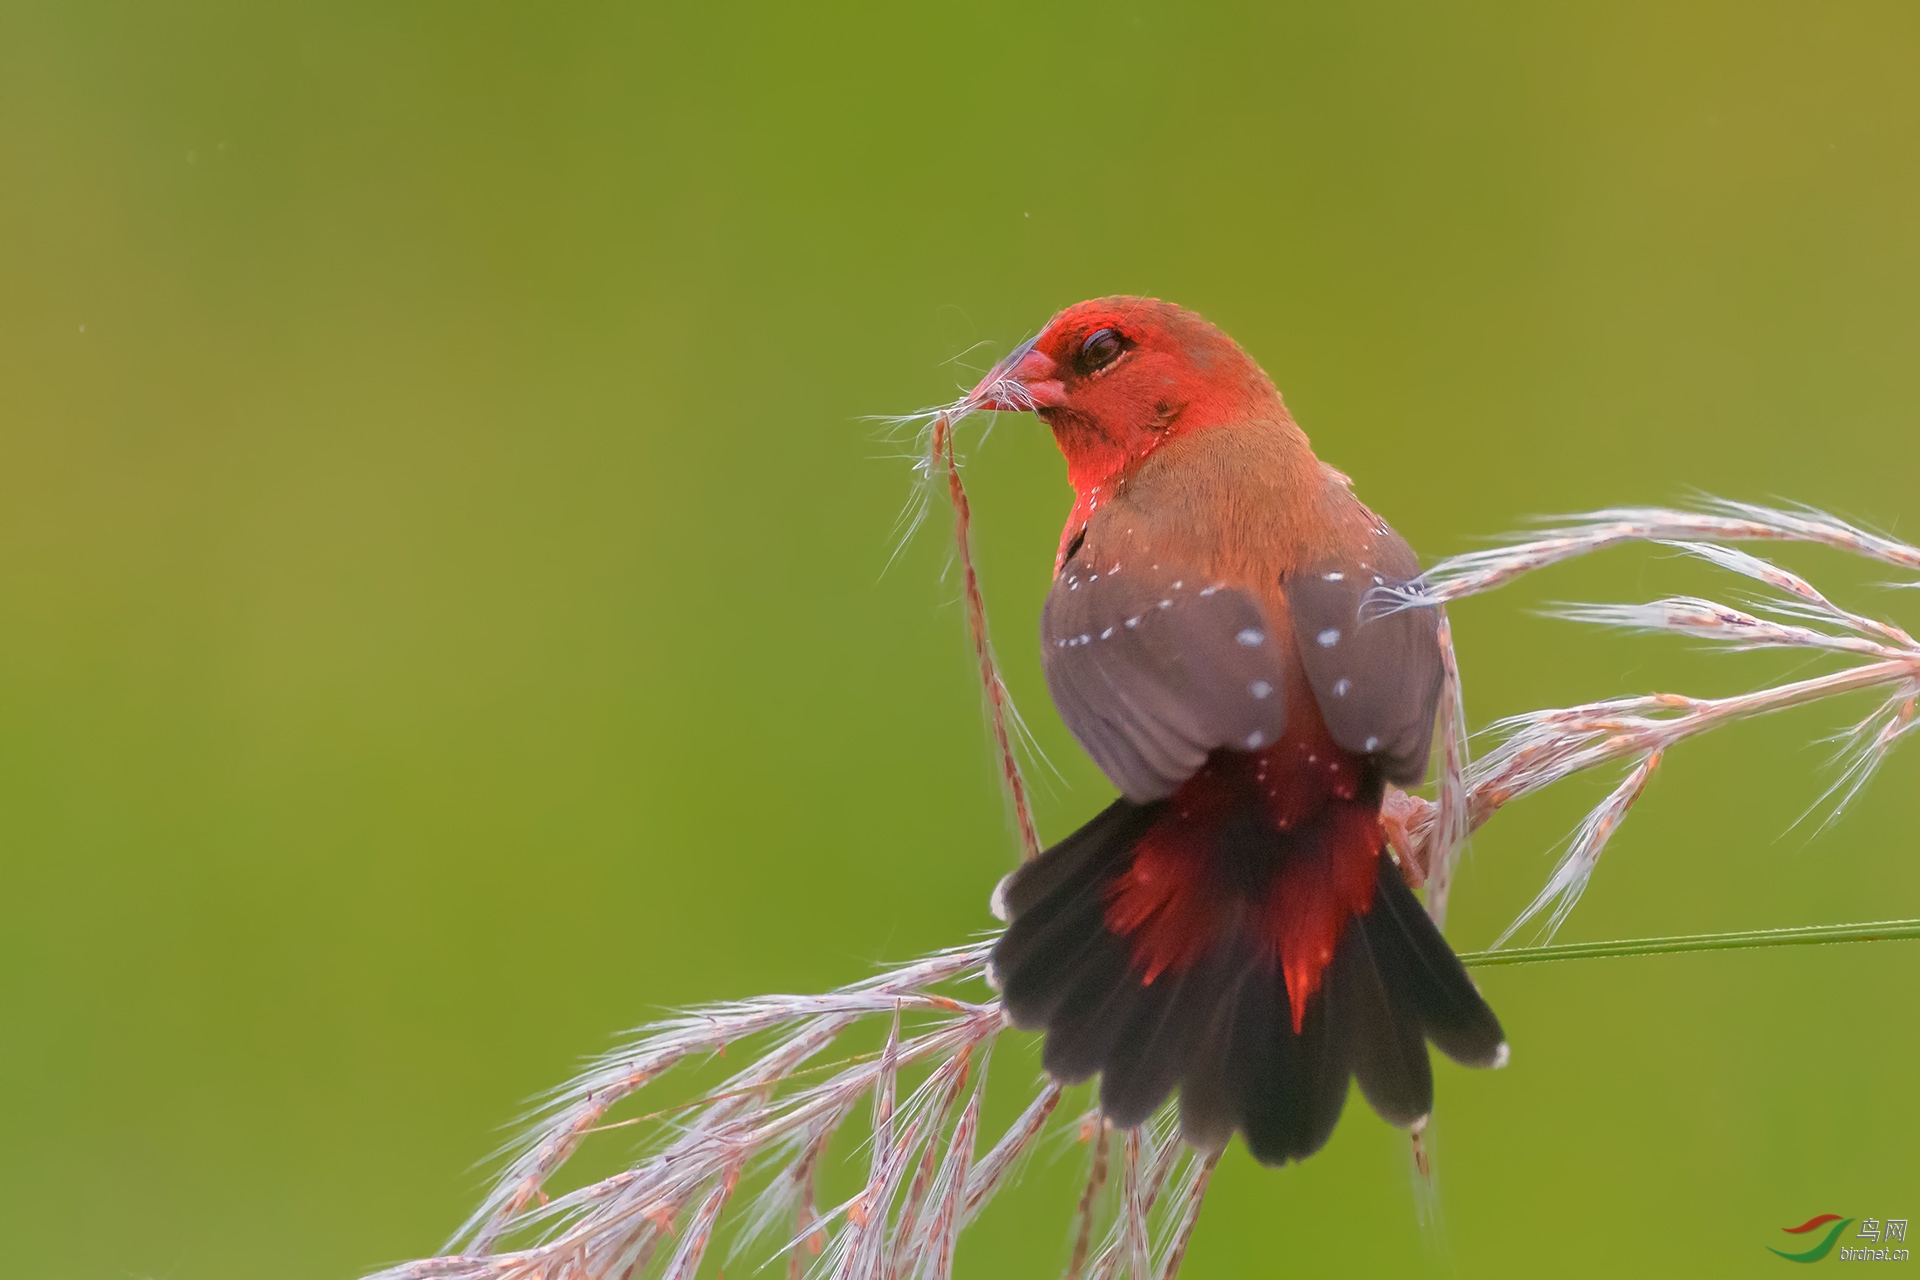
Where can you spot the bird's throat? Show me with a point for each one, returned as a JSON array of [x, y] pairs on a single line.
[[1097, 466]]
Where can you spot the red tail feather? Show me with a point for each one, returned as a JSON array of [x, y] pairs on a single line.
[[1182, 891]]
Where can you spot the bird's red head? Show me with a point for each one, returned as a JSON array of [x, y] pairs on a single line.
[[1116, 378]]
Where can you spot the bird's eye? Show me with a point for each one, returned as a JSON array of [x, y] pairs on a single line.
[[1102, 348]]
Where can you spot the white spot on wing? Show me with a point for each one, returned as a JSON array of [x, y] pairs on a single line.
[[1260, 688], [1373, 744], [1342, 687], [1252, 638], [1255, 739], [1329, 638], [1335, 577]]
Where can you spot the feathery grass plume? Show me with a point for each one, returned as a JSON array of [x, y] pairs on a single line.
[[1539, 748], [766, 1135]]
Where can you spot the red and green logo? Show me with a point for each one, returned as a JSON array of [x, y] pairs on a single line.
[[1813, 1224]]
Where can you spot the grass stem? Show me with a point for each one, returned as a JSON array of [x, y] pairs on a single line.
[[1884, 931]]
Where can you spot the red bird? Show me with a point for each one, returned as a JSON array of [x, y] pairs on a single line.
[[1233, 925]]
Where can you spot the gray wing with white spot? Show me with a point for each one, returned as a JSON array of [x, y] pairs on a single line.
[[1152, 668], [1377, 680]]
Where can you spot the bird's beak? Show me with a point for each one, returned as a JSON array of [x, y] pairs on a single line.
[[1021, 383]]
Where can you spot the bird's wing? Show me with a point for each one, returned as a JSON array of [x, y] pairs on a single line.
[[1377, 678], [1153, 665]]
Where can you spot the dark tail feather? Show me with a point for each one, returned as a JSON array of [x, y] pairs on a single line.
[[1220, 1029], [1233, 1053], [1297, 1099], [1156, 1050], [1390, 1047], [1418, 966]]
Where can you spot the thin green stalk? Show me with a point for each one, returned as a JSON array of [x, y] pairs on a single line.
[[1886, 930]]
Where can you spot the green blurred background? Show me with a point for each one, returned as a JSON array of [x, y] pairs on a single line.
[[442, 616]]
